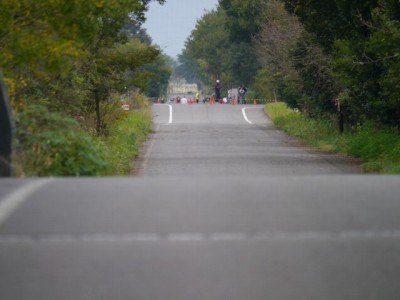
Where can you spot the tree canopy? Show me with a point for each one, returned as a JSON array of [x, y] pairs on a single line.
[[72, 55], [324, 57]]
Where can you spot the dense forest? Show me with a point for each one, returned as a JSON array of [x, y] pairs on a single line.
[[68, 66], [335, 58]]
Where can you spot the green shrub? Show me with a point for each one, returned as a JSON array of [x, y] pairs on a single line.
[[379, 149], [51, 144]]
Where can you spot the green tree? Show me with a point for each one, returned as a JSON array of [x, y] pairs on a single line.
[[208, 44], [244, 19], [161, 68], [40, 41], [361, 37], [113, 69]]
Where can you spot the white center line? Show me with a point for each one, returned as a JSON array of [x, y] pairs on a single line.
[[245, 116], [204, 237], [170, 114]]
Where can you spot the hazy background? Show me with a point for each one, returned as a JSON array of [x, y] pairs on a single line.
[[170, 24]]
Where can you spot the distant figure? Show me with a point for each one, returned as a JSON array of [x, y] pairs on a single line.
[[184, 100], [217, 89], [196, 97], [242, 94]]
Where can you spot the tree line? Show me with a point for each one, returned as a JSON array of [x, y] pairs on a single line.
[[335, 58], [67, 66], [75, 56]]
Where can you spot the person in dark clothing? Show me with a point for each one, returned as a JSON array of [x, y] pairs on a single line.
[[217, 89], [242, 94]]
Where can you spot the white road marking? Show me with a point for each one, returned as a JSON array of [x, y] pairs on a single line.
[[191, 237], [12, 201], [245, 116], [203, 237], [170, 112]]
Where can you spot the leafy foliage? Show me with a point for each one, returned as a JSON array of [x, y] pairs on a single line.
[[76, 60], [53, 144], [362, 39], [211, 54], [205, 51], [377, 148]]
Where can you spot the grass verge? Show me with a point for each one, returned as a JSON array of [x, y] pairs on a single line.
[[378, 149], [123, 144]]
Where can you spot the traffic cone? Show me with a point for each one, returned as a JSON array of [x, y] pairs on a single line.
[[254, 102]]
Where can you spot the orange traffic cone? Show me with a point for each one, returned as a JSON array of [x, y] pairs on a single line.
[[254, 102]]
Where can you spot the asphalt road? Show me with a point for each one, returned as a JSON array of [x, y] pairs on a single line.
[[224, 140], [219, 208]]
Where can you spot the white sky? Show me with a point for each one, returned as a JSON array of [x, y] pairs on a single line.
[[169, 25]]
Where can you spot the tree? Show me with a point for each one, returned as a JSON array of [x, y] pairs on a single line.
[[49, 46], [208, 43], [210, 54], [113, 69], [243, 20], [274, 45], [161, 68], [361, 38], [41, 40]]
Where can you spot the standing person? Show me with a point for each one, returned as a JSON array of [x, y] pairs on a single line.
[[184, 100], [242, 94], [196, 97], [217, 89]]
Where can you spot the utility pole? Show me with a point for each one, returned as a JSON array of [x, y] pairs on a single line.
[[5, 132]]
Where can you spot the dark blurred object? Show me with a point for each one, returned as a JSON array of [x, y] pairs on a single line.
[[5, 132]]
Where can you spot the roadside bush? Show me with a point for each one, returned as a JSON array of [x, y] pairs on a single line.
[[315, 132], [379, 149], [51, 144]]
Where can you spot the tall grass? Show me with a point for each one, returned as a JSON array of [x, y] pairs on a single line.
[[123, 144], [378, 149]]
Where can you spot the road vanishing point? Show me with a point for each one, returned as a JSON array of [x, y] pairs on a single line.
[[220, 205]]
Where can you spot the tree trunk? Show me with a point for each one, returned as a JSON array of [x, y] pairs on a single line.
[[98, 116]]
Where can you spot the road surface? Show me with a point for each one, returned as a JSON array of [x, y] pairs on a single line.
[[222, 206], [224, 140]]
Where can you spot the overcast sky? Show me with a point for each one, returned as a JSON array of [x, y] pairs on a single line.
[[170, 24]]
